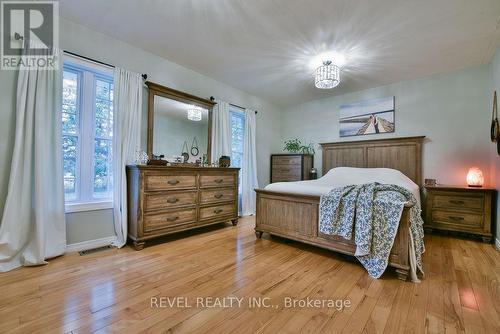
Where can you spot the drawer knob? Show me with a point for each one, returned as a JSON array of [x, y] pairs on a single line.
[[173, 200], [173, 182], [218, 195], [455, 218], [218, 180], [457, 202], [172, 219], [217, 211]]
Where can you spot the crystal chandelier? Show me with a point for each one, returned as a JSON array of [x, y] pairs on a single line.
[[194, 114], [327, 76]]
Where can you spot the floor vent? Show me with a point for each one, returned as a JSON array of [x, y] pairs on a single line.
[[94, 250]]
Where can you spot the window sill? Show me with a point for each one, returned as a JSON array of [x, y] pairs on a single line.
[[92, 206]]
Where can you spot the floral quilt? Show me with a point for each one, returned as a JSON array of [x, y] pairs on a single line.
[[372, 212]]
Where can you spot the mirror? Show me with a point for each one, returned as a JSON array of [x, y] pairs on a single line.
[[179, 124]]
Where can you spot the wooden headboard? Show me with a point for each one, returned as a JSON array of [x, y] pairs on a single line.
[[403, 154]]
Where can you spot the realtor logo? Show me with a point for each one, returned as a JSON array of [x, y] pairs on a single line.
[[29, 34]]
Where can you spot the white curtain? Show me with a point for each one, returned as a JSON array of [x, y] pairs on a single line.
[[127, 111], [221, 130], [249, 169], [33, 226]]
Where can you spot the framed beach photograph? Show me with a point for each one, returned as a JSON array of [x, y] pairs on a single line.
[[367, 117]]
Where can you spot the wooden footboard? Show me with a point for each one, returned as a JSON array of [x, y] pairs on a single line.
[[295, 217]]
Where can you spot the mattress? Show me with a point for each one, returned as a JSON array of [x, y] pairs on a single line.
[[344, 176]]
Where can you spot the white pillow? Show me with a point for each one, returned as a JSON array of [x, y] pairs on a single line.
[[344, 176]]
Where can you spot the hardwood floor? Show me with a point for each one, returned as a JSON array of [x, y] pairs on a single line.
[[111, 291]]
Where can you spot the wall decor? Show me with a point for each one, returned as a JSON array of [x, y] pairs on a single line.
[[194, 148], [495, 131], [185, 153], [367, 117], [495, 126]]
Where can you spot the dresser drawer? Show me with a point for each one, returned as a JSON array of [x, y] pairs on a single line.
[[284, 169], [154, 222], [474, 202], [457, 219], [169, 182], [292, 173], [287, 176], [217, 195], [213, 212], [168, 200], [287, 160], [221, 180]]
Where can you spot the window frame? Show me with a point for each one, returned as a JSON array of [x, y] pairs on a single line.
[[88, 73], [78, 128], [109, 80], [239, 113]]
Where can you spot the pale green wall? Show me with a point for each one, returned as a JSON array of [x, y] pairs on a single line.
[[85, 226], [453, 110]]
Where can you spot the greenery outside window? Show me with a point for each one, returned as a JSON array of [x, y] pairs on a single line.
[[87, 130]]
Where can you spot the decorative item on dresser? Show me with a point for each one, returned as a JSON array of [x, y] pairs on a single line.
[[164, 200], [460, 209], [291, 167]]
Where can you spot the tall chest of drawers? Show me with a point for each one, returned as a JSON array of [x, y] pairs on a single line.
[[291, 167], [460, 209], [164, 200]]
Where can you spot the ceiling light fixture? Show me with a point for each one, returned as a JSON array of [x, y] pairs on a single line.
[[194, 114], [327, 76]]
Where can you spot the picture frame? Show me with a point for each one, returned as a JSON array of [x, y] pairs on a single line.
[[367, 117]]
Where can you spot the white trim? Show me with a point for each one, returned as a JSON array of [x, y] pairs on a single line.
[[90, 244], [89, 64], [92, 206], [497, 244]]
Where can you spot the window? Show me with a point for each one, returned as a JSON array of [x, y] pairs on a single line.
[[87, 129], [237, 138]]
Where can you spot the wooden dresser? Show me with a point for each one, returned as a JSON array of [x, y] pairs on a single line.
[[291, 167], [164, 200], [460, 209]]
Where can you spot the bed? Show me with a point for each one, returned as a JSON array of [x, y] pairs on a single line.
[[291, 210]]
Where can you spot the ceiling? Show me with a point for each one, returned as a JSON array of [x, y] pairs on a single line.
[[264, 47]]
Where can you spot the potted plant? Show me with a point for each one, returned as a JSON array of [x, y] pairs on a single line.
[[296, 146]]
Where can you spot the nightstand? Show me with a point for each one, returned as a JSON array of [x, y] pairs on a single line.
[[460, 209]]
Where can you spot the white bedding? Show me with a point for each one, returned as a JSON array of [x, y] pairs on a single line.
[[344, 176]]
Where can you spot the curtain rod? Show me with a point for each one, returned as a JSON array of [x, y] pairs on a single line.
[[232, 104], [144, 76]]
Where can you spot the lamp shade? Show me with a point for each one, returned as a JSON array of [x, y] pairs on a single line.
[[475, 177], [327, 76]]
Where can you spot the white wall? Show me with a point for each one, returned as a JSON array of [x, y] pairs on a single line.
[[81, 40]]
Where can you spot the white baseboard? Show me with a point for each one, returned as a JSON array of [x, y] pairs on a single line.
[[90, 244], [497, 244]]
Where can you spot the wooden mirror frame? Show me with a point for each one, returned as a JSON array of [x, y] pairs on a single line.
[[169, 93]]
